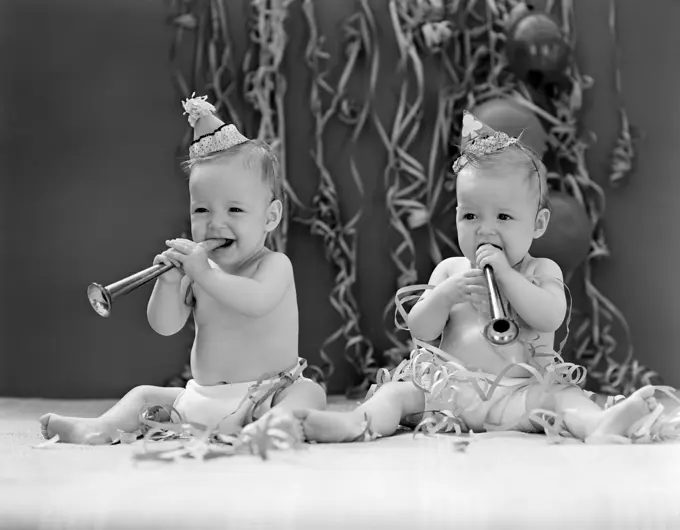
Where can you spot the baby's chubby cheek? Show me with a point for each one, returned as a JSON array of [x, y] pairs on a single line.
[[197, 232], [197, 224]]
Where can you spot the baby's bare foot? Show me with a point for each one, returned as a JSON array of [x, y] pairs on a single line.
[[73, 430], [330, 426], [618, 421]]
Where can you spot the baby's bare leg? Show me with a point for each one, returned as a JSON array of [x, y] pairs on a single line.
[[384, 410], [585, 419], [304, 394], [301, 395], [123, 416]]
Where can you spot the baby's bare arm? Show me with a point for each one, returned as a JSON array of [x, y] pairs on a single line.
[[541, 306], [256, 296], [166, 312], [429, 315]]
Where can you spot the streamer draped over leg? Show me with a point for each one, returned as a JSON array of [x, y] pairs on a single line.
[[458, 399], [164, 423]]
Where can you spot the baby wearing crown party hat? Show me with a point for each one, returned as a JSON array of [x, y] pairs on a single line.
[[466, 383], [242, 296]]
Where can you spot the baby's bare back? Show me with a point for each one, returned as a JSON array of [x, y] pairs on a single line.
[[232, 347]]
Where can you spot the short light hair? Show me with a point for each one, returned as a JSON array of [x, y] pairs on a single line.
[[517, 156], [255, 152]]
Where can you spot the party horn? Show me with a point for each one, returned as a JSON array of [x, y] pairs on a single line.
[[500, 330], [101, 298]]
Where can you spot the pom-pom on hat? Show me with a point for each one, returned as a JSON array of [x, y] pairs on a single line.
[[210, 133]]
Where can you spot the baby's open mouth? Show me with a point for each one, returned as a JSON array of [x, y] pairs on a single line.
[[482, 244], [227, 243]]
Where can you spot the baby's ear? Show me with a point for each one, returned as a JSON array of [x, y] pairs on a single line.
[[274, 214], [541, 223]]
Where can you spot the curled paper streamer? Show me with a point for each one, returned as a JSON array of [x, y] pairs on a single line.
[[277, 432], [265, 89], [327, 218], [367, 435]]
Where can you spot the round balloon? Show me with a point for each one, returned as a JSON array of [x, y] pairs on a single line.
[[567, 239], [535, 46], [510, 117]]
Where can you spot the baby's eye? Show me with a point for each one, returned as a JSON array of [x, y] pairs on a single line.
[[468, 216], [200, 210], [235, 210], [504, 217]]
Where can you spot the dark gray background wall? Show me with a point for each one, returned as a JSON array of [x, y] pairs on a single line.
[[89, 124]]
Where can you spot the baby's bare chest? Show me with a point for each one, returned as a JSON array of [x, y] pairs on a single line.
[[464, 338], [208, 312]]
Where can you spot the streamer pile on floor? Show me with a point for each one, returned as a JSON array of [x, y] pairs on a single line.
[[488, 481]]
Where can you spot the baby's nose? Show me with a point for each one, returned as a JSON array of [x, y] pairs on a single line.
[[217, 221], [487, 227]]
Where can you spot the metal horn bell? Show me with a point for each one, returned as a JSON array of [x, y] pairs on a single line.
[[500, 330]]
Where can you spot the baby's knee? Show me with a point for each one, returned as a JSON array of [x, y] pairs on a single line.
[[303, 393], [314, 393], [157, 395], [540, 397], [397, 388], [405, 393], [143, 391]]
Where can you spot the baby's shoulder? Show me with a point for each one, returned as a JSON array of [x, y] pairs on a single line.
[[541, 268], [276, 260], [453, 265], [274, 267]]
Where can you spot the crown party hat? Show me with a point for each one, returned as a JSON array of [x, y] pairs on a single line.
[[478, 140]]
